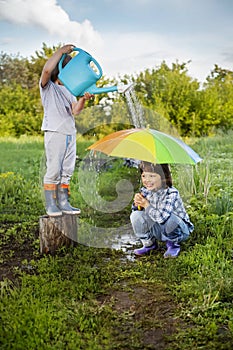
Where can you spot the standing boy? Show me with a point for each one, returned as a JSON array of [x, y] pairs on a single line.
[[59, 134]]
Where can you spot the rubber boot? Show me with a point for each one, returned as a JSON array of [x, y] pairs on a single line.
[[63, 200], [173, 250], [50, 191], [148, 245]]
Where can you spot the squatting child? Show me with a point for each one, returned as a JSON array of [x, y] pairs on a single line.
[[158, 213]]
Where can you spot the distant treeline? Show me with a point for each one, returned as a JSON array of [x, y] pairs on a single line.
[[194, 109]]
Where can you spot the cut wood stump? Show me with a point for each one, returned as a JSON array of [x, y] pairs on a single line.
[[57, 232]]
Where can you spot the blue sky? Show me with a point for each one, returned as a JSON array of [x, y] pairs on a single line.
[[125, 36]]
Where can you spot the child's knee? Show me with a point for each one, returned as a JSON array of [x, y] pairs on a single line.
[[135, 216]]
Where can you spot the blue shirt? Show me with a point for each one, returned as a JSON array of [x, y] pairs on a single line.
[[163, 203]]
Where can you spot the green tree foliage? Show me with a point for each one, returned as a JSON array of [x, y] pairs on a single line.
[[169, 92], [14, 70], [20, 109], [172, 93], [218, 96]]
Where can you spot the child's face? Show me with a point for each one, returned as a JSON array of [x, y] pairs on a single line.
[[151, 181]]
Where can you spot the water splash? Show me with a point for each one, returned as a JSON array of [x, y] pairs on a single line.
[[115, 236], [135, 108], [90, 169]]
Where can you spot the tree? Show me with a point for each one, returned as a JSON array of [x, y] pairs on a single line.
[[171, 93], [218, 97], [20, 111], [14, 70]]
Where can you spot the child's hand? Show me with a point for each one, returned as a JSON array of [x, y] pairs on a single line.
[[140, 201], [67, 48], [78, 106], [88, 96]]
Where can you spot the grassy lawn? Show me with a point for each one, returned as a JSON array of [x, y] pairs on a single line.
[[90, 297]]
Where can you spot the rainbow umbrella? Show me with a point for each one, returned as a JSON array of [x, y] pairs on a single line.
[[148, 145]]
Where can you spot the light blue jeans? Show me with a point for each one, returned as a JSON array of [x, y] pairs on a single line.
[[174, 229]]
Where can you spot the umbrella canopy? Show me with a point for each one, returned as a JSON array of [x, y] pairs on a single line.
[[148, 145]]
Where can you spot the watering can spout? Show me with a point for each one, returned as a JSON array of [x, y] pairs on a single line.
[[93, 89], [122, 89]]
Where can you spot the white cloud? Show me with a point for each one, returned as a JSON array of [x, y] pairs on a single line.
[[134, 52], [48, 15]]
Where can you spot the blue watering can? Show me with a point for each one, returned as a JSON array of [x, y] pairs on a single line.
[[81, 74]]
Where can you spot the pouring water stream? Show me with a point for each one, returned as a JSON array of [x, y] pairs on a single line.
[[116, 238]]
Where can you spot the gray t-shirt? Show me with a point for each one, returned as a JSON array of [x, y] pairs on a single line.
[[57, 102]]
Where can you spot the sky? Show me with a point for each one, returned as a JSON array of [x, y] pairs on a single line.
[[125, 36]]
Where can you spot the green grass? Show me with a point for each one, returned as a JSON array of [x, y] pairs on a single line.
[[70, 301]]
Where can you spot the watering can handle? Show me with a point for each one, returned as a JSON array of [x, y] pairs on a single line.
[[98, 76], [63, 57]]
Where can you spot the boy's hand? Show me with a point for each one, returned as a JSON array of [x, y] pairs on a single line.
[[67, 48], [78, 106], [88, 96]]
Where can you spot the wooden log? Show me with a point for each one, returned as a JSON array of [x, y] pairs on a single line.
[[57, 232]]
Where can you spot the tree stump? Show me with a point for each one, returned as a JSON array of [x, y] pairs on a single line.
[[57, 232]]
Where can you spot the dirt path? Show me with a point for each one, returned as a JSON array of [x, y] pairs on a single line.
[[146, 317]]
